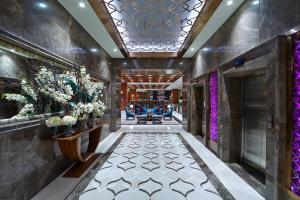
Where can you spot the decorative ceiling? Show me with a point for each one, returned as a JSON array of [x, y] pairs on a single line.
[[145, 79], [154, 25]]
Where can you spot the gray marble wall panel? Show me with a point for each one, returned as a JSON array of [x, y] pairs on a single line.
[[29, 159], [54, 29]]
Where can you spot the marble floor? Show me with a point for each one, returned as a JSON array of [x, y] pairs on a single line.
[[159, 162]]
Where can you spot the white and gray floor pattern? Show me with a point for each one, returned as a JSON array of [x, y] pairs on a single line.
[[156, 166]]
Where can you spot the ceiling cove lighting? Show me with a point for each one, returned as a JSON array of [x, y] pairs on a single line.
[[81, 5], [139, 29], [229, 3]]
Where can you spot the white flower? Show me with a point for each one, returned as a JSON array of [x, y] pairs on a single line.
[[54, 121], [89, 108], [15, 97], [68, 120], [53, 86]]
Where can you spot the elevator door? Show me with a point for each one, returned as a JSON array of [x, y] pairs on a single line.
[[254, 122], [199, 111]]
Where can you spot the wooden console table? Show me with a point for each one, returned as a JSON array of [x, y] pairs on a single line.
[[70, 147]]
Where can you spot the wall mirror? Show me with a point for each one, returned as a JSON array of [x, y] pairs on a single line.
[[21, 60]]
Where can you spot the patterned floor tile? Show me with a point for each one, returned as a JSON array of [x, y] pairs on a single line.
[[156, 166]]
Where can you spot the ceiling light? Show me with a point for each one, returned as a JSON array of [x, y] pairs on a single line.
[[81, 5], [292, 31], [230, 2], [255, 2], [125, 63], [181, 63], [192, 49], [94, 50], [12, 50], [42, 5], [115, 50], [205, 49]]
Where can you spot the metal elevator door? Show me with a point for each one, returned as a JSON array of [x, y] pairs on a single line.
[[254, 121]]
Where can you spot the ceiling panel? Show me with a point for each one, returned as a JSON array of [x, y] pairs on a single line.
[[156, 25]]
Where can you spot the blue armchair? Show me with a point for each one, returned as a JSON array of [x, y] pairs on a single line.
[[155, 111], [129, 114], [143, 111], [168, 114]]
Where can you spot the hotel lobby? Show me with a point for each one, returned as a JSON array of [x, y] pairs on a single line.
[[149, 100]]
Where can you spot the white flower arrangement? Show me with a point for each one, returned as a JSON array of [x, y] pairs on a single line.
[[53, 87], [54, 122], [68, 120], [28, 89]]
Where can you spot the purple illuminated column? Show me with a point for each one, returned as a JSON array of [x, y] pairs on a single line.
[[295, 182], [213, 96]]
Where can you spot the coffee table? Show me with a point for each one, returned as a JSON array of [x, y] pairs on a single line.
[[142, 119]]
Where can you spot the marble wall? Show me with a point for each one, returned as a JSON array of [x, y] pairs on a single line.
[[29, 158], [250, 25], [247, 28], [55, 30]]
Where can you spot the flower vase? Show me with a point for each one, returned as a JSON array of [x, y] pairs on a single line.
[[68, 130], [90, 122]]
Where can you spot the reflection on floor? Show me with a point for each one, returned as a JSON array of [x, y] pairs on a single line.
[[251, 180], [177, 116]]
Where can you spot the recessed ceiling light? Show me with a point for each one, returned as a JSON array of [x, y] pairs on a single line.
[[12, 50], [42, 5], [230, 2], [292, 31], [181, 63], [205, 49], [115, 50], [192, 49], [81, 5], [255, 2], [94, 50], [125, 63]]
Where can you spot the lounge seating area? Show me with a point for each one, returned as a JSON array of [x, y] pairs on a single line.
[[143, 115]]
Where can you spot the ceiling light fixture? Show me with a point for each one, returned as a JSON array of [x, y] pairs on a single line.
[[115, 50], [255, 2], [229, 3], [94, 50], [181, 63], [205, 49], [12, 50], [292, 31], [42, 5], [81, 5], [192, 49], [125, 63]]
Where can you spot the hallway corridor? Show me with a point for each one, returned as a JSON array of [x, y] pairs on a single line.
[[146, 164]]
